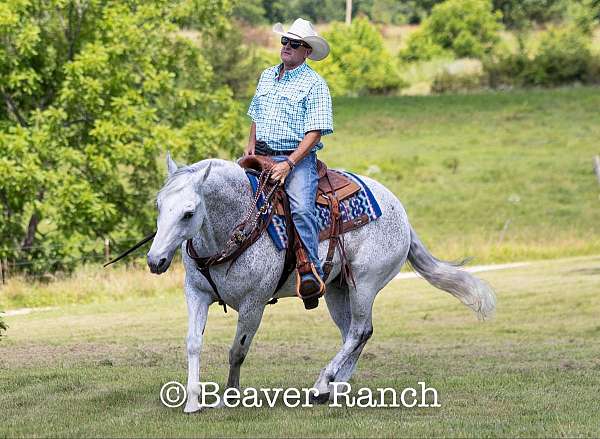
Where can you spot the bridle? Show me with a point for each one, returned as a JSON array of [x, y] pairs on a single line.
[[243, 236]]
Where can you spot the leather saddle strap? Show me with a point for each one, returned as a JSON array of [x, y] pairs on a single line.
[[290, 261], [334, 208]]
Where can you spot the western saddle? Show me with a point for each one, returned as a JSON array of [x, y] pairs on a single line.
[[333, 187]]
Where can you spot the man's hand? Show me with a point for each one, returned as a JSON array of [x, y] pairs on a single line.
[[280, 171], [249, 150]]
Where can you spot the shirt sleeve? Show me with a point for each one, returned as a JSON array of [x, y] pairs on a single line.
[[253, 108], [319, 113]]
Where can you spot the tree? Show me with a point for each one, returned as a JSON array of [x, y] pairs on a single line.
[[93, 91], [461, 28], [249, 11]]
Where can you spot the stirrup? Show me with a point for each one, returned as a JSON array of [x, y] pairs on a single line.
[[309, 290]]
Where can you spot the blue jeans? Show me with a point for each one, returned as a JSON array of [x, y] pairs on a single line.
[[301, 188]]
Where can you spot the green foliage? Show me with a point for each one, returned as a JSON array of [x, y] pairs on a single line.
[[379, 11], [564, 56], [238, 64], [393, 11], [92, 94], [525, 13], [583, 15], [358, 63], [249, 11], [387, 11], [459, 76], [447, 82], [314, 10], [465, 28], [515, 13], [522, 13]]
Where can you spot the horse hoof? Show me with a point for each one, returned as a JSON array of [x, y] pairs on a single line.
[[192, 409], [321, 398]]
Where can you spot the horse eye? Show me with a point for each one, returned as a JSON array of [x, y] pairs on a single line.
[[188, 215]]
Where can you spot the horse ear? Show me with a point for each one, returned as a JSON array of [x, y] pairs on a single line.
[[205, 176], [171, 165]]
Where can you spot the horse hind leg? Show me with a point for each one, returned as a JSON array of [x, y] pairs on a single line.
[[359, 331], [338, 304], [347, 369]]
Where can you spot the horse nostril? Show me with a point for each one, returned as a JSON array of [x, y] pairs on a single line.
[[162, 262]]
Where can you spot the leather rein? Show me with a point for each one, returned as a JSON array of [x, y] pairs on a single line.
[[249, 231], [244, 235]]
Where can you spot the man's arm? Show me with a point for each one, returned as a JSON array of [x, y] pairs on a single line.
[[281, 170], [249, 150], [310, 139]]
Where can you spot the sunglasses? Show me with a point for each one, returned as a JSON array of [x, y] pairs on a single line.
[[293, 43]]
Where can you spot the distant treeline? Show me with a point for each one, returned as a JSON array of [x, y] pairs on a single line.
[[514, 12]]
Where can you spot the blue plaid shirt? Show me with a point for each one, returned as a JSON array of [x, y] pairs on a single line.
[[284, 110]]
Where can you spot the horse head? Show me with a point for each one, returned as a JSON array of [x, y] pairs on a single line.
[[181, 212]]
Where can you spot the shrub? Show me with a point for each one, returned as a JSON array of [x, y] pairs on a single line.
[[519, 13], [358, 63], [593, 71], [564, 56], [459, 76], [465, 28], [508, 69]]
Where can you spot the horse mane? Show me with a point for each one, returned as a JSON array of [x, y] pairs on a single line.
[[177, 181]]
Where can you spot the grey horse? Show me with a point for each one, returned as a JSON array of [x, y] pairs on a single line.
[[206, 200]]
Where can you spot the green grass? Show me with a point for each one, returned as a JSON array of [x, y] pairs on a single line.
[[96, 369], [91, 284], [468, 166]]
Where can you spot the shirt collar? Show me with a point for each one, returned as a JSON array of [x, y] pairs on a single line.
[[291, 74]]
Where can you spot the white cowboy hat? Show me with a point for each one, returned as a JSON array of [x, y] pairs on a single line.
[[303, 30]]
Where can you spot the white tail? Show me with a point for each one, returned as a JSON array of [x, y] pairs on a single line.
[[471, 291]]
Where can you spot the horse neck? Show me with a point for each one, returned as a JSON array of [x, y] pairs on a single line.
[[227, 199]]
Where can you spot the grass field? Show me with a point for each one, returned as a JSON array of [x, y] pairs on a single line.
[[96, 370], [500, 176]]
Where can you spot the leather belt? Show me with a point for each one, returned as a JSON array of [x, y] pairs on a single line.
[[262, 148]]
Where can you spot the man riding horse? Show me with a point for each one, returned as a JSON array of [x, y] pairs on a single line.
[[290, 112]]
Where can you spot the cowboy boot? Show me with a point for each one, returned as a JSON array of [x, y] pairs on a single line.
[[309, 285]]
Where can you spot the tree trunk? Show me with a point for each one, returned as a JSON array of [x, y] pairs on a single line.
[[31, 230], [348, 12]]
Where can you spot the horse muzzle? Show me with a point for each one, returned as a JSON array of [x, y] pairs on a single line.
[[158, 264]]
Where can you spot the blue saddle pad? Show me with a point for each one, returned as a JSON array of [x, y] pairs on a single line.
[[361, 203]]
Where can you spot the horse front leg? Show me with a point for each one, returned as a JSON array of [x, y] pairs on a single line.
[[198, 304], [250, 315]]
